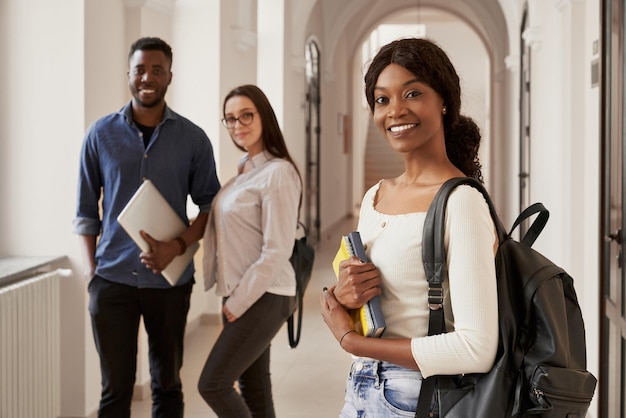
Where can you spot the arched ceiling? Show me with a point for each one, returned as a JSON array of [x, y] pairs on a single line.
[[351, 21]]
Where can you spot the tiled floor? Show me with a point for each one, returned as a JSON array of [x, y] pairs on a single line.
[[308, 381]]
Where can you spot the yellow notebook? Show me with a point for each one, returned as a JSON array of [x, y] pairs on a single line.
[[343, 253], [369, 319]]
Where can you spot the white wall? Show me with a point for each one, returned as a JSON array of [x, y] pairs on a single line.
[[44, 97], [237, 64], [42, 104], [335, 165], [588, 278], [195, 93], [277, 60]]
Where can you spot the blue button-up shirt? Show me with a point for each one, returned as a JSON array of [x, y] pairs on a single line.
[[178, 160]]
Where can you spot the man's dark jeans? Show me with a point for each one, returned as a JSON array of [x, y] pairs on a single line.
[[116, 310]]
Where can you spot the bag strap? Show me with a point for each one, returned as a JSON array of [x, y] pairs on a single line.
[[434, 258], [536, 227], [294, 336], [433, 245]]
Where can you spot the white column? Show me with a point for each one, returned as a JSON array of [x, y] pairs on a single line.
[[271, 53]]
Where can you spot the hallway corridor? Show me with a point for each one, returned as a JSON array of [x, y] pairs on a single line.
[[308, 381]]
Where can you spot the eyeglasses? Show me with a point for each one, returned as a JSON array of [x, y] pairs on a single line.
[[244, 119]]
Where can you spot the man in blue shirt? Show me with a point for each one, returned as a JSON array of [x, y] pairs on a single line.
[[144, 140]]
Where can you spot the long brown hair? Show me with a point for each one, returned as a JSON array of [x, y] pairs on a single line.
[[271, 135]]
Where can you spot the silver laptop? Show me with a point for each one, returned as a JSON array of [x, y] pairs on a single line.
[[148, 210]]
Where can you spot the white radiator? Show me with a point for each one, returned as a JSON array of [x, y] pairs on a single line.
[[30, 347]]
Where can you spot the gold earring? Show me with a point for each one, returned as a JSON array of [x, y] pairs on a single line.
[[444, 110]]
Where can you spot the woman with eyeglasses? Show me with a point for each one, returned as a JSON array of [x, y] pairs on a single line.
[[248, 242]]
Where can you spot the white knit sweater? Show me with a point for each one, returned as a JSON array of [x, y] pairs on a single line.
[[394, 245]]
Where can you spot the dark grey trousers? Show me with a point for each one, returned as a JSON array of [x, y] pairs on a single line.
[[242, 354]]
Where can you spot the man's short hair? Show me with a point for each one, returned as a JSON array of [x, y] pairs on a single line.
[[151, 44]]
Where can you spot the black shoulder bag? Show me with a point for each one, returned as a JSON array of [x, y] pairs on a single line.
[[302, 259]]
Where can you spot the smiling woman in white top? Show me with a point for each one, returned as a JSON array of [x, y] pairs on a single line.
[[414, 94], [247, 245]]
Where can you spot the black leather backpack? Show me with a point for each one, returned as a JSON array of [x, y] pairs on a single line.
[[540, 366]]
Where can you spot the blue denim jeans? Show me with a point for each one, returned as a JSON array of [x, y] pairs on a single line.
[[378, 389]]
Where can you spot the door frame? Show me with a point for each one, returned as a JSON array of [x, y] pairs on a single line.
[[612, 385], [312, 192]]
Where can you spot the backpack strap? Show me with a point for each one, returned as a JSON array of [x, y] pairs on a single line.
[[433, 246], [536, 227], [434, 258]]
